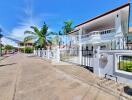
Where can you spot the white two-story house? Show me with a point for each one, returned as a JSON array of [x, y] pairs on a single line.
[[106, 31]]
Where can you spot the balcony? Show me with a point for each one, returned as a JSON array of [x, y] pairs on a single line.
[[99, 35]]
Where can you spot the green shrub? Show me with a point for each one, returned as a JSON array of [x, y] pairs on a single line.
[[21, 50], [28, 50]]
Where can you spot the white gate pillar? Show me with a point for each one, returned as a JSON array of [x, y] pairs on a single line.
[[48, 53], [34, 51], [96, 64], [42, 52], [58, 54], [80, 46], [39, 52]]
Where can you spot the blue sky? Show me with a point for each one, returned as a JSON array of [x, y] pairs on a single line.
[[17, 15]]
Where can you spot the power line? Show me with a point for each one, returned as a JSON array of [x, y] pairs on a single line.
[[12, 39]]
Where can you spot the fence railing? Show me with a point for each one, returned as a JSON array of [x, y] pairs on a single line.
[[49, 54], [71, 56]]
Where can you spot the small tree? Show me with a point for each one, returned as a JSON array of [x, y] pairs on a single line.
[[67, 28], [9, 47]]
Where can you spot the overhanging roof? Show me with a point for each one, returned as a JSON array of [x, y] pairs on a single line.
[[111, 11]]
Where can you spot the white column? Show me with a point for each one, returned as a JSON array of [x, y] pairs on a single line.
[[34, 51], [58, 54], [119, 34], [48, 53], [39, 52], [96, 62], [42, 52], [80, 46]]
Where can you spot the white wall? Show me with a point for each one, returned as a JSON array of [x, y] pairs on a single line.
[[106, 63]]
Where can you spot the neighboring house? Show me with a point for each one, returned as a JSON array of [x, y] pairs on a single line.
[[25, 44], [130, 30], [106, 31], [129, 43]]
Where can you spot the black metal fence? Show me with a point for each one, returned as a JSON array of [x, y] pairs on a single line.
[[87, 58], [124, 44]]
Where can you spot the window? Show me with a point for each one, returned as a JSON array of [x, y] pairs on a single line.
[[125, 63], [103, 47]]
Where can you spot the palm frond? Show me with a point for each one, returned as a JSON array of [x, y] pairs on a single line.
[[35, 29], [29, 32], [44, 29], [51, 33], [28, 38], [49, 42]]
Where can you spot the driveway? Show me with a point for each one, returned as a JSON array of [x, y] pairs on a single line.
[[25, 77]]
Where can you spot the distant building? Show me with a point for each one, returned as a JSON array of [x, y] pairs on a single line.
[[130, 30], [25, 44]]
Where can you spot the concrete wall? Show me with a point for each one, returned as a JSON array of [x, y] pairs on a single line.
[[105, 62], [104, 65]]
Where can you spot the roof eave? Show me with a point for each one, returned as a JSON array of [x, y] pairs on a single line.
[[111, 11]]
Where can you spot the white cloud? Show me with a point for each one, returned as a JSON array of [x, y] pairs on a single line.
[[25, 23], [17, 34], [6, 41]]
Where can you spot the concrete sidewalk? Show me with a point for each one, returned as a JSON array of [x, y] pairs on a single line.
[[30, 78]]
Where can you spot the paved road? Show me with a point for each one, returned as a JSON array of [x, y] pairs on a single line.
[[25, 77]]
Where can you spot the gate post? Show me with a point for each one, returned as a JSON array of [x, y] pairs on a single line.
[[48, 53], [96, 65], [34, 51], [80, 54], [80, 46], [39, 52], [58, 54], [42, 52]]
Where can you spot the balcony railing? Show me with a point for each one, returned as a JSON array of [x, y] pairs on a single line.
[[98, 33]]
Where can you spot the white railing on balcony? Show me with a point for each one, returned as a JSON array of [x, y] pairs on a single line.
[[98, 33]]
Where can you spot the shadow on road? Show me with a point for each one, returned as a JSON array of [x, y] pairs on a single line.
[[128, 90], [31, 56], [7, 64], [4, 58]]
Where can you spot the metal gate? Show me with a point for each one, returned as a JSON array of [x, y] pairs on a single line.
[[87, 58]]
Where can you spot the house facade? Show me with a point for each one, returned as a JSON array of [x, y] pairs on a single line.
[[106, 31], [25, 44], [102, 44]]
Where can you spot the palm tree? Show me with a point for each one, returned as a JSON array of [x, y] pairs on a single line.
[[41, 37], [67, 27]]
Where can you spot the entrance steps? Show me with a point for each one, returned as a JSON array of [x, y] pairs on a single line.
[[117, 88]]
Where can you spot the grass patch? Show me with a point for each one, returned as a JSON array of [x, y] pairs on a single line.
[[125, 65]]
